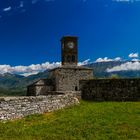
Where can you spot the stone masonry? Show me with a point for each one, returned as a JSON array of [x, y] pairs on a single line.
[[110, 89], [67, 78], [18, 107], [40, 87]]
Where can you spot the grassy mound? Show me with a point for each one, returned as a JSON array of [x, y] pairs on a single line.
[[87, 121]]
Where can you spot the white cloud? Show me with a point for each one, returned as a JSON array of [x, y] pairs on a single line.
[[106, 59], [21, 4], [133, 55], [84, 62], [49, 0], [128, 66], [33, 69], [28, 70], [7, 9], [28, 74], [135, 59], [117, 59], [128, 1], [34, 1]]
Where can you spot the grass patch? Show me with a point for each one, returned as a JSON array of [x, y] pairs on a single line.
[[87, 121]]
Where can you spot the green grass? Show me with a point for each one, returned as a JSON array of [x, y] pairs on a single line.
[[87, 121]]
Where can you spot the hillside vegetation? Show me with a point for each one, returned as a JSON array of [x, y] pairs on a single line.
[[87, 121], [16, 85]]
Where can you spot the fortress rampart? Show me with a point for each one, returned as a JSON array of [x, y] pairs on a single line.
[[110, 89]]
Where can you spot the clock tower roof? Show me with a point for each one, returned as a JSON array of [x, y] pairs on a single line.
[[69, 38]]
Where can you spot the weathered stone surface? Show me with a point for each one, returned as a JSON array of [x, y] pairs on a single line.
[[17, 107], [65, 78], [111, 89], [40, 87]]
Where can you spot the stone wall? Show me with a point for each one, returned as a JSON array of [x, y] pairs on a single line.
[[40, 87], [67, 78], [110, 89], [18, 107]]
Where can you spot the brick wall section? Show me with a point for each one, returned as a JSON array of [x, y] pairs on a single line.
[[110, 89], [18, 107]]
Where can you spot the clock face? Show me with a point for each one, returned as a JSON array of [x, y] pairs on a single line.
[[70, 45]]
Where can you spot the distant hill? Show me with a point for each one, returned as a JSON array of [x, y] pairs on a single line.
[[99, 70], [12, 84], [15, 84]]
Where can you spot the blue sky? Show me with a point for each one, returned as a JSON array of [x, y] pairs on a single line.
[[30, 30]]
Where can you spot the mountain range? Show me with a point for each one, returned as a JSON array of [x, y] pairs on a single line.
[[12, 84], [100, 69]]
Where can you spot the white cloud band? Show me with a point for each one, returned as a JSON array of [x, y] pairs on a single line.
[[133, 55], [28, 70], [128, 66], [33, 69], [106, 59]]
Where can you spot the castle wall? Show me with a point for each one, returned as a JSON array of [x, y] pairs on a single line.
[[31, 91], [68, 79], [40, 87], [37, 90], [18, 107], [43, 90], [110, 89]]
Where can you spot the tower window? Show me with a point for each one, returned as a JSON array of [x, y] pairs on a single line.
[[73, 58], [68, 58]]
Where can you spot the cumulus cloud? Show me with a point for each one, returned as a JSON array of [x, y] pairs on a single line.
[[84, 62], [49, 0], [106, 59], [33, 69], [7, 9], [128, 1], [21, 4], [135, 59], [133, 55], [34, 1], [28, 70], [128, 66]]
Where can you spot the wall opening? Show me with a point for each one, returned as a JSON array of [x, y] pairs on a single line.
[[76, 88], [73, 58], [68, 58]]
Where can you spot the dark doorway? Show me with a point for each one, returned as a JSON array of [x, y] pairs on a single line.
[[76, 88]]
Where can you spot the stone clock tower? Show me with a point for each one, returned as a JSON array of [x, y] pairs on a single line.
[[64, 79], [69, 50]]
